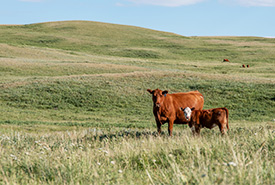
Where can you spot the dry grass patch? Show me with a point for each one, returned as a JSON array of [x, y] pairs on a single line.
[[241, 43], [31, 52]]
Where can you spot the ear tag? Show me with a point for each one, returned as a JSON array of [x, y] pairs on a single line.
[[164, 95]]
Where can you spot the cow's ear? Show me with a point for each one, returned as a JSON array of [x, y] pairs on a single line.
[[164, 92], [193, 108], [181, 109], [150, 91]]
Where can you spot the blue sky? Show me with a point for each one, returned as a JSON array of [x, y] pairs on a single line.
[[184, 17]]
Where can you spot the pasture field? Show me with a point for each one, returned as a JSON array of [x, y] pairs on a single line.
[[74, 107]]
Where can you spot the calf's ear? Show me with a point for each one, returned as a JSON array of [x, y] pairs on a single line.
[[193, 108], [150, 91], [181, 109], [164, 92]]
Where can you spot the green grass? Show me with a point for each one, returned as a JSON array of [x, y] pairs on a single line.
[[126, 97], [99, 156], [73, 99]]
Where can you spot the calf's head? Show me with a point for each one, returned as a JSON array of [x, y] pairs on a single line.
[[158, 96], [187, 112]]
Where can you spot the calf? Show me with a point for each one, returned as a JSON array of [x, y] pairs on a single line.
[[206, 118]]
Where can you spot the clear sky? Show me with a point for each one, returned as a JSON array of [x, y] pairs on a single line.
[[184, 17]]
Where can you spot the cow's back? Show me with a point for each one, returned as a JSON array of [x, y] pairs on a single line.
[[188, 99]]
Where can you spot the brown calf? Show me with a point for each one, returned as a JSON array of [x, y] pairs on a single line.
[[166, 107], [207, 118]]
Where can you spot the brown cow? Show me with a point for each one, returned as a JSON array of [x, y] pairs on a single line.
[[247, 66], [243, 66], [166, 106], [225, 60], [206, 118]]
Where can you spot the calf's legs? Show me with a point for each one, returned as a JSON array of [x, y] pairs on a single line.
[[195, 130], [223, 128]]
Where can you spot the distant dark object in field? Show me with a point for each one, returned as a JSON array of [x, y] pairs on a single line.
[[206, 118], [166, 106], [247, 66], [243, 66], [225, 60]]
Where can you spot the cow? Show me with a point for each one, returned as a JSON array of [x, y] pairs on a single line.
[[166, 107], [247, 66], [206, 118], [243, 66], [225, 60]]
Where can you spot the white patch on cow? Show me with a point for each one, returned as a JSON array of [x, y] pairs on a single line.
[[187, 113]]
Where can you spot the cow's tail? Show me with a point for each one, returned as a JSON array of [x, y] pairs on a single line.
[[227, 115]]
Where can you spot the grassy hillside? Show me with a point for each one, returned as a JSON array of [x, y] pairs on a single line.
[[87, 69], [72, 88]]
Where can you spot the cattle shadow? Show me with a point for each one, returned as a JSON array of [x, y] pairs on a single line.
[[107, 135], [126, 134]]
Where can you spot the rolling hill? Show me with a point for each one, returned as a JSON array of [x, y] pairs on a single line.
[[84, 68], [74, 107]]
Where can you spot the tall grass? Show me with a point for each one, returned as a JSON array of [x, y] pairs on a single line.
[[98, 156]]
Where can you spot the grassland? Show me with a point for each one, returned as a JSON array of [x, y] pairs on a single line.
[[74, 107]]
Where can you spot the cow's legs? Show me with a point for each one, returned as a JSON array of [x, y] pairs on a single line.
[[170, 127], [158, 126]]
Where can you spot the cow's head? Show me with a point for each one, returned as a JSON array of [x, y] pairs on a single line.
[[158, 96], [187, 112]]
